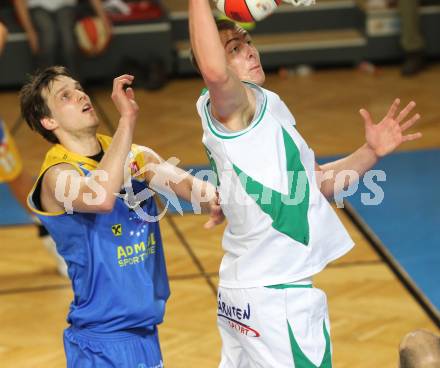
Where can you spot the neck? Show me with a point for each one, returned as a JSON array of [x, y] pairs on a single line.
[[82, 145]]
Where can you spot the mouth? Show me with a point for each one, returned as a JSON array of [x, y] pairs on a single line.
[[87, 107], [256, 67]]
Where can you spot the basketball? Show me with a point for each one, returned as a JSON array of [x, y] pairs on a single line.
[[91, 35], [247, 10]]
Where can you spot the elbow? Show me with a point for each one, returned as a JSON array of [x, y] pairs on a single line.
[[215, 76], [328, 194], [107, 204]]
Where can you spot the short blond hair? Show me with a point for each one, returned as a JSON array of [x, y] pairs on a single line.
[[420, 349]]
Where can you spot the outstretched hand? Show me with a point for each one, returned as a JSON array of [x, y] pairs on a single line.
[[216, 216], [384, 137]]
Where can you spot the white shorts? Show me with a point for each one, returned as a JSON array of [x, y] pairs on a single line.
[[274, 327]]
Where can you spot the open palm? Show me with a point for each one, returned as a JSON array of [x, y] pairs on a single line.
[[384, 137]]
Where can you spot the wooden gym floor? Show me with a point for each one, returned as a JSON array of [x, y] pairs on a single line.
[[370, 310]]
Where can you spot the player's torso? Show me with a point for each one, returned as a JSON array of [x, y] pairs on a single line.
[[115, 261], [270, 197]]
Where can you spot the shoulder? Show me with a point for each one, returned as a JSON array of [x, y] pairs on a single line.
[[55, 177], [203, 99], [52, 174]]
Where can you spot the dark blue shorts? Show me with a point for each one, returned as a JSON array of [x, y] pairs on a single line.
[[85, 349]]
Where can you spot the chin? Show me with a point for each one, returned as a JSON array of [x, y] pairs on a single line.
[[95, 121], [259, 79]]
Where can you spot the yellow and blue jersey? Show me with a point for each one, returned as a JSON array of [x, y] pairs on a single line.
[[115, 260]]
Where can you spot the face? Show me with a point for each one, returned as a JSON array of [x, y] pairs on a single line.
[[72, 111], [242, 56]]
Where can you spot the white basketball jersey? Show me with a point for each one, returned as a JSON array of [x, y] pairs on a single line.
[[280, 227]]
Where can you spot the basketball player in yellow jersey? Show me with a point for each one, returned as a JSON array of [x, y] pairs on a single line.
[[269, 313]]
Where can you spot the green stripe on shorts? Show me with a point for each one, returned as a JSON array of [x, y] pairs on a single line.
[[290, 286], [301, 360]]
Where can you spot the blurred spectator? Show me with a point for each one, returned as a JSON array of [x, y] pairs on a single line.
[[19, 180], [49, 25], [411, 37], [420, 349], [20, 183], [3, 35]]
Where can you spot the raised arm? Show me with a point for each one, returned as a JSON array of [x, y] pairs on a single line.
[[229, 98]]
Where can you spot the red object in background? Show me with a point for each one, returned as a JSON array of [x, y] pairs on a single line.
[[91, 36], [139, 10]]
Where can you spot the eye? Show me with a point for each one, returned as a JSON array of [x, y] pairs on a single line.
[[249, 42], [65, 95], [235, 49]]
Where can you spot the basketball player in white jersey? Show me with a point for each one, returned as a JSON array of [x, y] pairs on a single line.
[[281, 229]]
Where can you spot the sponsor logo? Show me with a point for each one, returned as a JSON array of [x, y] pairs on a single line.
[[136, 253], [236, 317], [117, 229]]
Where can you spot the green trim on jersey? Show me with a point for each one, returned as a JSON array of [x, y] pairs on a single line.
[[290, 286], [213, 165], [241, 132], [288, 219], [300, 359]]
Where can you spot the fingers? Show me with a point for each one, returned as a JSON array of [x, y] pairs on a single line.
[[216, 214], [121, 81], [366, 116], [404, 113], [411, 137], [408, 124], [393, 108], [214, 221], [130, 93], [123, 96], [209, 224]]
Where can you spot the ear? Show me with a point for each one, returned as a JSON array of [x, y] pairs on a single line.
[[49, 123]]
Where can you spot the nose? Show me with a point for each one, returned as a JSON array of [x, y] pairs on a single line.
[[252, 52], [81, 95]]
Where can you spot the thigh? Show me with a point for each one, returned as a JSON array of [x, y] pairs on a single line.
[[45, 26], [255, 318], [65, 20], [89, 352], [276, 327], [309, 328], [232, 353]]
